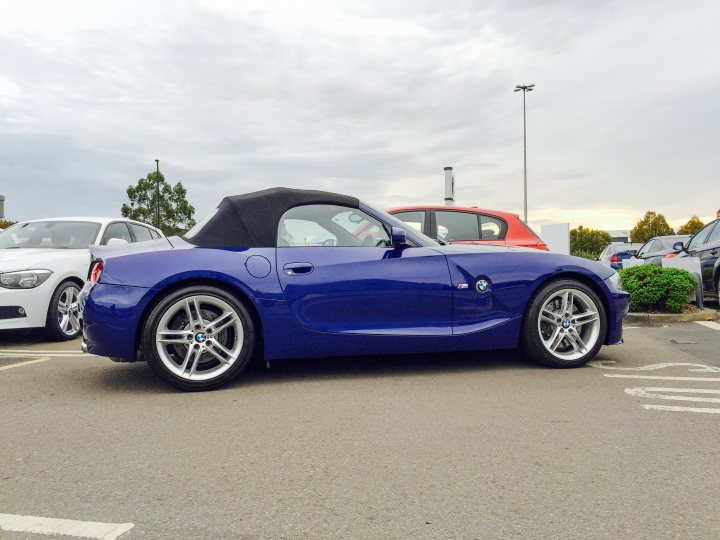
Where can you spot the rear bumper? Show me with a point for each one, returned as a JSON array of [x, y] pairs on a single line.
[[110, 316]]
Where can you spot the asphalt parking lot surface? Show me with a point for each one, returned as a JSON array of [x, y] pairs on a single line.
[[436, 446]]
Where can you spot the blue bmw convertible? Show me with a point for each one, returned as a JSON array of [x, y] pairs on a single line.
[[285, 273]]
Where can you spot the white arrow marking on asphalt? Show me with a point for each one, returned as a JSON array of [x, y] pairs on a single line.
[[681, 409], [700, 368], [658, 377], [651, 392], [69, 527]]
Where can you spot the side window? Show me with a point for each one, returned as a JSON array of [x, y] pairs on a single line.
[[714, 235], [116, 230], [456, 226], [141, 233], [492, 228], [646, 248], [701, 236], [416, 219], [317, 225]]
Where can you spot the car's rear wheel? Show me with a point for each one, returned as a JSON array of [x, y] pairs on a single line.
[[63, 322], [564, 325], [198, 338]]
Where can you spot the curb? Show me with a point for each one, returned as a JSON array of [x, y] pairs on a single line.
[[703, 315]]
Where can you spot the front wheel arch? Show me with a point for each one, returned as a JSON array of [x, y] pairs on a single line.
[[531, 340], [575, 276]]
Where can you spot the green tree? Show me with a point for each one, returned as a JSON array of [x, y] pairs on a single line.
[[651, 225], [176, 213], [692, 226], [588, 243], [4, 224]]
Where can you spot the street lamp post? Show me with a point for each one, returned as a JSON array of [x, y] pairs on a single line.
[[157, 193], [525, 89]]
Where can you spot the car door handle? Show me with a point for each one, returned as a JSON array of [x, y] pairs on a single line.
[[298, 268]]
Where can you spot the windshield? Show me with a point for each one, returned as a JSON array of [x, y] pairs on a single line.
[[50, 235]]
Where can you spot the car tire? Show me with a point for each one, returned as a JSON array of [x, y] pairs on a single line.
[[62, 322], [564, 325], [198, 338]]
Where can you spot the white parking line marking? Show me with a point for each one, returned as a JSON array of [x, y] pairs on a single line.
[[21, 364], [709, 324], [652, 392], [69, 527], [660, 378], [682, 409], [25, 354]]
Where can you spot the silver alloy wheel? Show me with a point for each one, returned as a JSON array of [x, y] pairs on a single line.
[[199, 337], [569, 324], [67, 311]]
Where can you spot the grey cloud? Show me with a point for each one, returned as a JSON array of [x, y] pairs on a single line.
[[232, 103]]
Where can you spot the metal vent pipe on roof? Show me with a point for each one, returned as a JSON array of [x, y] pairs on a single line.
[[2, 206], [449, 187]]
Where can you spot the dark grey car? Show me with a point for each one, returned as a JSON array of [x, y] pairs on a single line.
[[705, 245], [654, 250]]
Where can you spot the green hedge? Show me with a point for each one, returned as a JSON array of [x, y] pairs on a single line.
[[585, 254], [657, 289]]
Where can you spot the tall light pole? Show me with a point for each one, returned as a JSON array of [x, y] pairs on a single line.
[[525, 89], [157, 193]]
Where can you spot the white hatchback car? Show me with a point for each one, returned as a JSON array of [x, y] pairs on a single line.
[[44, 264]]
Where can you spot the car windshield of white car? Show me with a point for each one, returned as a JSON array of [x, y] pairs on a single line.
[[50, 235]]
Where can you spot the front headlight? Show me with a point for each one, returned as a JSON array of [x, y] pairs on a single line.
[[616, 281], [26, 279]]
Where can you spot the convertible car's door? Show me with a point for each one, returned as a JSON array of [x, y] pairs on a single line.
[[368, 290], [339, 274]]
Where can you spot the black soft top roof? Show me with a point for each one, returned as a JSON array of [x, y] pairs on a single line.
[[251, 220]]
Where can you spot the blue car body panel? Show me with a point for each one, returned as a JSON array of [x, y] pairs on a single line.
[[314, 302]]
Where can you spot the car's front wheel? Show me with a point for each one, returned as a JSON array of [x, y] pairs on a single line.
[[564, 325], [63, 322], [198, 338]]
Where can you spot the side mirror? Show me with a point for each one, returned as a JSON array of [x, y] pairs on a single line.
[[116, 241], [398, 237], [678, 246]]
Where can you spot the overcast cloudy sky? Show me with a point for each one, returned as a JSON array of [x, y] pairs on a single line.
[[371, 98]]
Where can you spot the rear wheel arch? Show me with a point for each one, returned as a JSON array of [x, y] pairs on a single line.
[[237, 293]]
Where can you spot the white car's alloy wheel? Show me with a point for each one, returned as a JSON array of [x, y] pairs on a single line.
[[68, 311]]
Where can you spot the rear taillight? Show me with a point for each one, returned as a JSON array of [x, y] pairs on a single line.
[[95, 270], [613, 259]]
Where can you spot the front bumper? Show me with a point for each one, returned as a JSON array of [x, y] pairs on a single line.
[[619, 304], [32, 302]]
